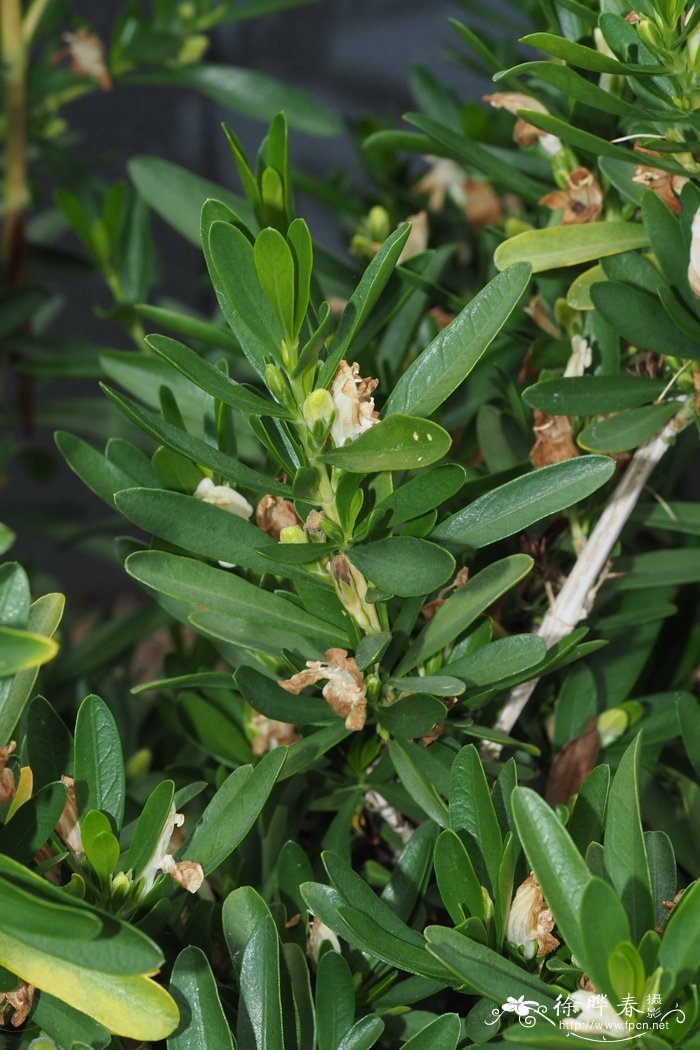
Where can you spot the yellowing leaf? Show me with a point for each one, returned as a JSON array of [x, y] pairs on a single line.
[[129, 1005]]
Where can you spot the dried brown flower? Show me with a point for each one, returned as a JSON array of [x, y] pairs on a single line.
[[344, 689], [580, 201]]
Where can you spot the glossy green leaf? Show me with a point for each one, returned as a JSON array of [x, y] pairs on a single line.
[[588, 818], [275, 268], [195, 449], [397, 443], [657, 569], [183, 324], [457, 880], [473, 816], [579, 55], [198, 527], [486, 159], [559, 867], [463, 607], [233, 810], [611, 929], [483, 970], [211, 379], [30, 827], [403, 565], [363, 1034], [101, 476], [49, 743], [434, 685], [423, 493], [203, 1025], [44, 617], [575, 87], [626, 430], [204, 587], [592, 395], [447, 361], [364, 298], [625, 857], [260, 1009], [498, 660], [266, 696], [662, 871], [421, 790], [245, 306], [150, 825], [515, 506], [441, 1034], [579, 294], [335, 1000], [680, 944], [636, 316], [254, 94], [555, 246], [22, 651], [177, 195], [412, 716], [99, 762]]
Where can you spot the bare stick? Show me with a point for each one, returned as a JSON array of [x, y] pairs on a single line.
[[574, 601]]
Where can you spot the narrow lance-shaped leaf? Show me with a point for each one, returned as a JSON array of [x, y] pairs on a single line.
[[363, 299], [515, 506], [211, 379], [203, 1025], [462, 608], [555, 246], [452, 355]]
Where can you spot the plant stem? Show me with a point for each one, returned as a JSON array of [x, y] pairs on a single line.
[[573, 603], [15, 188]]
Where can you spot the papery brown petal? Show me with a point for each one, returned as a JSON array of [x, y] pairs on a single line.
[[554, 440], [273, 513], [20, 1001]]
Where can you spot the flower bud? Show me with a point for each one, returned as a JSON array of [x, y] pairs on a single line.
[[650, 35], [277, 384], [293, 534], [319, 414]]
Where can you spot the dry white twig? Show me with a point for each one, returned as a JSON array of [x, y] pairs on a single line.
[[575, 599]]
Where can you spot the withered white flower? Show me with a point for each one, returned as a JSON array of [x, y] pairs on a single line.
[[530, 922], [68, 827], [580, 201], [226, 498], [418, 237], [273, 513], [223, 496], [320, 934], [270, 733], [353, 403], [87, 55], [443, 179], [19, 1000], [524, 133], [345, 687], [581, 357], [186, 873], [596, 1016], [694, 263]]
